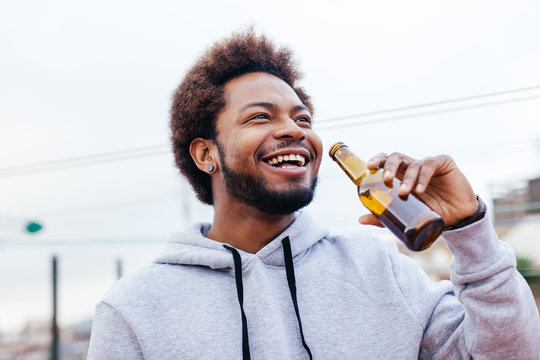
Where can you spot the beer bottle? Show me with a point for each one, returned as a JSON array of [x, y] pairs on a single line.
[[412, 221]]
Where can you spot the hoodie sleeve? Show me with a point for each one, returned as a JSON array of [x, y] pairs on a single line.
[[112, 338], [488, 312]]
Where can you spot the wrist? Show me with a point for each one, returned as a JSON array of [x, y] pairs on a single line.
[[476, 216]]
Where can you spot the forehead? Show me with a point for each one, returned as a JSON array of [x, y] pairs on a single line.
[[259, 86]]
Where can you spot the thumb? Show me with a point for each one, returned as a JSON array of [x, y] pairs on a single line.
[[369, 219]]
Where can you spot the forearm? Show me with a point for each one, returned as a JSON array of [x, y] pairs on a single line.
[[501, 318]]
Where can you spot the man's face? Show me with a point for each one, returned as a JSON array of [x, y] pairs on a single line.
[[269, 154]]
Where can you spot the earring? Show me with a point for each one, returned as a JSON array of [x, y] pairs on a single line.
[[210, 168]]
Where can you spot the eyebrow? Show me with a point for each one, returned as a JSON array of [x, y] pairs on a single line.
[[257, 104], [300, 107], [270, 106]]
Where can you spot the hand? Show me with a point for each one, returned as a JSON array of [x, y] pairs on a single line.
[[436, 181]]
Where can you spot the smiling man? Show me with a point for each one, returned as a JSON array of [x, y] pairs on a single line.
[[264, 160], [265, 281]]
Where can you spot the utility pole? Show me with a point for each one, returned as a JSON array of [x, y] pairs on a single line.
[[54, 329], [118, 268]]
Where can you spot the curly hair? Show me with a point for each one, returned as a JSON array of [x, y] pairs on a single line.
[[200, 97]]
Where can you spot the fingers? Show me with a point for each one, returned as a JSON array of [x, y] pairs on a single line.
[[377, 161], [427, 169], [369, 219], [415, 175], [409, 179], [392, 164]]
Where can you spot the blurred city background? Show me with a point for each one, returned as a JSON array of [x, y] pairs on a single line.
[[88, 187]]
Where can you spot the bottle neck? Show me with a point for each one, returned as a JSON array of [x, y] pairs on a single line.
[[353, 166]]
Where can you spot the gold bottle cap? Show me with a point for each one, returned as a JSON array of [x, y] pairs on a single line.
[[335, 148]]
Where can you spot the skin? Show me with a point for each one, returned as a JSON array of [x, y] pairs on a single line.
[[437, 181], [261, 112]]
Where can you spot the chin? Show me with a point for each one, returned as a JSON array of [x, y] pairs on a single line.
[[285, 201]]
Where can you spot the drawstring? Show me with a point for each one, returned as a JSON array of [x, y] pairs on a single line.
[[289, 268], [240, 291]]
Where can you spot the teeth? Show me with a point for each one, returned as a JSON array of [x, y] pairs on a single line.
[[291, 157]]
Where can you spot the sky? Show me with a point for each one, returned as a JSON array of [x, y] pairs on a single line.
[[83, 79]]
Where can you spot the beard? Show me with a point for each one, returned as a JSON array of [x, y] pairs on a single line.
[[256, 192]]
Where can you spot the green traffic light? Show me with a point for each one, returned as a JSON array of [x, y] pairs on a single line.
[[33, 227]]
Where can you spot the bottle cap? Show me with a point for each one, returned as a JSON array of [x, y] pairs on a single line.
[[335, 148]]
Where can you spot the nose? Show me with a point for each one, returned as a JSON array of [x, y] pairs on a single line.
[[288, 128]]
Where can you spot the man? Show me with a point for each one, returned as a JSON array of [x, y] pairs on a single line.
[[264, 281]]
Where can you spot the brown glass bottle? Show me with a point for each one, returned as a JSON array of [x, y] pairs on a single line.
[[412, 221]]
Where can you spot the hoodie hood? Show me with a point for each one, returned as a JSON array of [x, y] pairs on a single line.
[[191, 247]]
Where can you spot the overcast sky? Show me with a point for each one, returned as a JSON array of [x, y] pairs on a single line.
[[83, 78], [86, 78]]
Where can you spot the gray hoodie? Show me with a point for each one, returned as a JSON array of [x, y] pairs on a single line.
[[332, 297]]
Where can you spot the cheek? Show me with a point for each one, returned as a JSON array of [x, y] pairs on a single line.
[[235, 154], [243, 144], [317, 146]]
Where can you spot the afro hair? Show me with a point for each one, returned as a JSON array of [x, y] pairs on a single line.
[[200, 97]]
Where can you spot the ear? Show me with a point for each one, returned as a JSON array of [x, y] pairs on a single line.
[[201, 151]]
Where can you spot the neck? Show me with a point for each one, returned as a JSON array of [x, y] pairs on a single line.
[[245, 227]]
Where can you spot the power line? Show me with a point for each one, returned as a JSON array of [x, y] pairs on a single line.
[[78, 162], [434, 112], [122, 203], [164, 149], [21, 170], [442, 102], [517, 142], [86, 157]]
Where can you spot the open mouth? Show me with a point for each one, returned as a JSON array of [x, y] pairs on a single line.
[[291, 160]]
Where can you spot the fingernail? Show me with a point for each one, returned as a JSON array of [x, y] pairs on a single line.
[[419, 188], [403, 187]]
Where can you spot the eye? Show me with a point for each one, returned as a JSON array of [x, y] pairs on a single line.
[[258, 118], [304, 119]]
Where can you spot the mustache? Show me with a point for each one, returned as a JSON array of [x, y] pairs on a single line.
[[284, 144]]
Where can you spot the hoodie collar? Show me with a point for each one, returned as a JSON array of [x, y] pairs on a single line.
[[191, 247]]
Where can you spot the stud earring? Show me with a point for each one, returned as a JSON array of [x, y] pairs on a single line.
[[210, 168]]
